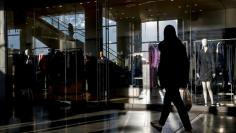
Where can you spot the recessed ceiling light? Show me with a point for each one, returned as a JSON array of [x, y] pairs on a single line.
[[47, 7], [195, 4], [179, 6], [81, 3], [171, 0], [60, 6]]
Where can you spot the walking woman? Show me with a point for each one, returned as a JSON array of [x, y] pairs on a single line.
[[173, 74]]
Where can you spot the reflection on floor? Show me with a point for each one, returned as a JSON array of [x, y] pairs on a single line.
[[41, 119]]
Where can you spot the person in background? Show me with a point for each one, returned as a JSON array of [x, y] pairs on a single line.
[[71, 31]]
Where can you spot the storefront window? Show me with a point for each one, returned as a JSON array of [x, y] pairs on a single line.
[[126, 34]]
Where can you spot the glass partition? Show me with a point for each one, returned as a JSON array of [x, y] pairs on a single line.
[[107, 50], [212, 54], [139, 29], [46, 53]]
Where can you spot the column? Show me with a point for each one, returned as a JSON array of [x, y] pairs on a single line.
[[123, 41], [129, 39], [3, 54], [93, 28], [137, 35], [26, 37]]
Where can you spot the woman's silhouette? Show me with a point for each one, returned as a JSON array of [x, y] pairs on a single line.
[[173, 74]]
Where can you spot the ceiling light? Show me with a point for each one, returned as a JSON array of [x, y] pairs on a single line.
[[195, 4], [81, 3], [60, 6], [171, 0]]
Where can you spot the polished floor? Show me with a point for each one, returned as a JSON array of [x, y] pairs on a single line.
[[131, 114], [91, 119]]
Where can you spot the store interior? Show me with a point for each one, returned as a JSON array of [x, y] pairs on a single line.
[[107, 50]]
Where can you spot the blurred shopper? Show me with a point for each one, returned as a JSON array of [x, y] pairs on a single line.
[[173, 74]]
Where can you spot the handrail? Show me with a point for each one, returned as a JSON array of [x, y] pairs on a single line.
[[65, 25], [113, 54], [111, 50], [62, 23], [63, 28]]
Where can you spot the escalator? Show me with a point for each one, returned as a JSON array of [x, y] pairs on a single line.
[[51, 36]]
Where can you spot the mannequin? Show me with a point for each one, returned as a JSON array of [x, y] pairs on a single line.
[[206, 70], [28, 71]]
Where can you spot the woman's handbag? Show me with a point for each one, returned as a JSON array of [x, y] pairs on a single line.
[[186, 97]]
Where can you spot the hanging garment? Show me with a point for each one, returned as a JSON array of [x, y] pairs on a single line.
[[229, 62], [219, 61], [138, 66], [234, 63], [154, 56], [154, 59]]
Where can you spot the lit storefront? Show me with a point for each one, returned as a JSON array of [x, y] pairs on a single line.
[[111, 51]]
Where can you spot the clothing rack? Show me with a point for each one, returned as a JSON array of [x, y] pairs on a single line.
[[213, 40]]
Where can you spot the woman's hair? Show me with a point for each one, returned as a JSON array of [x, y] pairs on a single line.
[[169, 33]]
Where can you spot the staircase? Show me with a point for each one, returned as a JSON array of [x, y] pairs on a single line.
[[51, 36], [50, 30]]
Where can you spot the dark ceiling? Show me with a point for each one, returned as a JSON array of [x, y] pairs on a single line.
[[124, 9]]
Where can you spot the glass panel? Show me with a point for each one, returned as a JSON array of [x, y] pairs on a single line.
[[212, 64], [41, 51], [217, 74], [149, 31], [124, 36], [139, 30], [62, 22]]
